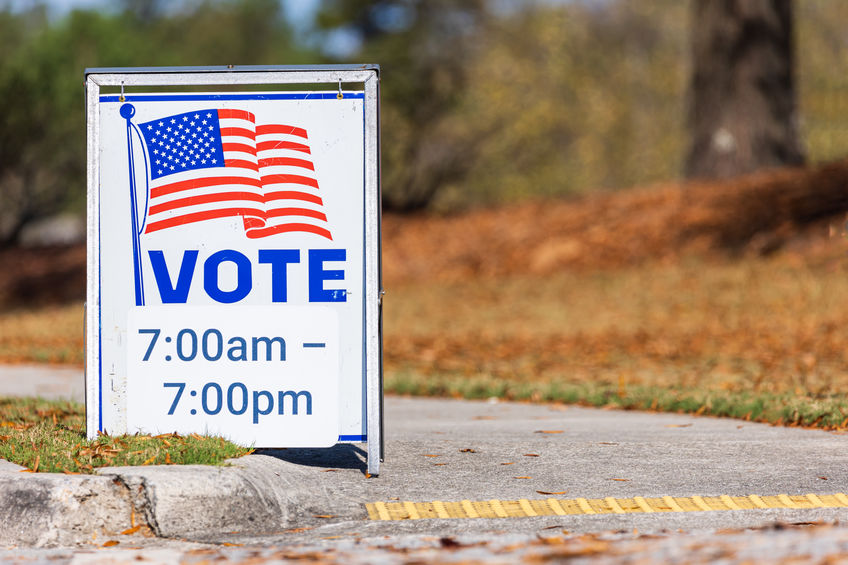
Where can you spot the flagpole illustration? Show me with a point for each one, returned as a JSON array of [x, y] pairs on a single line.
[[127, 112]]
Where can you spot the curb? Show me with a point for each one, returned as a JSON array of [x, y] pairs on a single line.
[[256, 494]]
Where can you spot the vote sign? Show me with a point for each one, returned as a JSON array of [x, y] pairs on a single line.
[[233, 276]]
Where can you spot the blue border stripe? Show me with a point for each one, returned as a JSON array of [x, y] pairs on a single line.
[[99, 323], [325, 95], [360, 438]]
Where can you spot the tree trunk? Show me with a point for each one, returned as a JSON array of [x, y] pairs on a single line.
[[743, 112]]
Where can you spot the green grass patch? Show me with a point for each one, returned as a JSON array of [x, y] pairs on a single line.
[[49, 436], [827, 412]]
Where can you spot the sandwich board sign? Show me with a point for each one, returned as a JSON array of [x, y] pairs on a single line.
[[233, 254]]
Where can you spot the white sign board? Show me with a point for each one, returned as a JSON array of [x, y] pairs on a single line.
[[233, 277]]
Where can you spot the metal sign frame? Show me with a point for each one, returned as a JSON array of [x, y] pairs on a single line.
[[245, 76]]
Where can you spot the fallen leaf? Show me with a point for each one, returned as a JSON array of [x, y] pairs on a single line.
[[149, 461], [467, 451], [522, 477], [37, 461], [510, 463], [531, 455], [439, 464], [168, 459], [607, 443], [297, 530], [449, 542], [678, 425], [622, 480], [111, 543], [823, 478], [548, 432], [228, 544], [4, 438], [548, 492], [331, 537], [431, 455], [324, 515], [130, 531]]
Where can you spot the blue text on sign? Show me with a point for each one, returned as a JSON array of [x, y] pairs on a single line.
[[175, 290]]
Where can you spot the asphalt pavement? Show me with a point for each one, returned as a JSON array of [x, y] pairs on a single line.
[[452, 468]]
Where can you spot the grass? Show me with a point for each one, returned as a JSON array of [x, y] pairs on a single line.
[[762, 338], [788, 409], [47, 335], [49, 436]]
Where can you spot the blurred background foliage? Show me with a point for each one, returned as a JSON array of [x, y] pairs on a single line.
[[484, 101]]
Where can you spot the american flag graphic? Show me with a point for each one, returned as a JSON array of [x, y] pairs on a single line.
[[210, 164]]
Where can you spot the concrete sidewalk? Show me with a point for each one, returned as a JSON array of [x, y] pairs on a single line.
[[46, 381], [440, 451]]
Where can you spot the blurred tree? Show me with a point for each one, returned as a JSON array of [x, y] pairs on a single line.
[[42, 121], [424, 47], [743, 114], [41, 161], [580, 96]]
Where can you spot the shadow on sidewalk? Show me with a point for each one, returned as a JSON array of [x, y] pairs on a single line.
[[341, 456]]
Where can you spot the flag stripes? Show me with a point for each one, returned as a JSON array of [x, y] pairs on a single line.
[[216, 164]]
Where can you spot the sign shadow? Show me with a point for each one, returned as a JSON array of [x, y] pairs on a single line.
[[339, 456]]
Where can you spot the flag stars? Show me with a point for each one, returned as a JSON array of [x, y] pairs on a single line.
[[183, 142]]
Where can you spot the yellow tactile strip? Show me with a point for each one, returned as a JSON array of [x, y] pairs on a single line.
[[561, 507]]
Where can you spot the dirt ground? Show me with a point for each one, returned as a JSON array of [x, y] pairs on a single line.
[[802, 209], [734, 286]]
